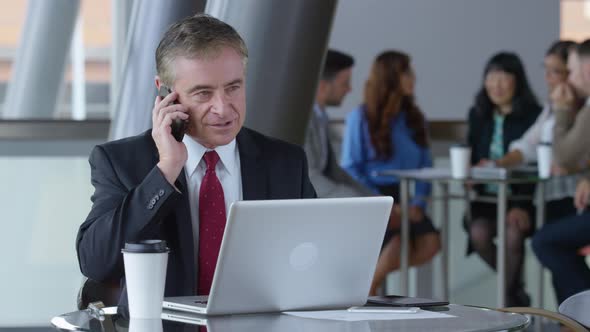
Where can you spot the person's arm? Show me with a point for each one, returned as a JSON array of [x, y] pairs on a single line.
[[119, 215], [328, 185], [472, 134], [571, 140], [423, 189], [353, 150], [524, 149]]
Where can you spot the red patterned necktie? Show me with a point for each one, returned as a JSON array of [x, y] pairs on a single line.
[[211, 223]]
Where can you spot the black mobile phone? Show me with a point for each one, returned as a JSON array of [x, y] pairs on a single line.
[[404, 301], [178, 125]]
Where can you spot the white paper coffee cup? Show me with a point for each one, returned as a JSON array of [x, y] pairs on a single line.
[[145, 276], [460, 161], [544, 160]]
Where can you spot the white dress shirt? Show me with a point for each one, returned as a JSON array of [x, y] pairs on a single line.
[[540, 132], [227, 170]]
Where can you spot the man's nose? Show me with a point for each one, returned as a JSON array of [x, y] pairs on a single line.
[[219, 104]]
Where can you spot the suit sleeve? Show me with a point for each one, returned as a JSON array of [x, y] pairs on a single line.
[[570, 137], [118, 215], [307, 189]]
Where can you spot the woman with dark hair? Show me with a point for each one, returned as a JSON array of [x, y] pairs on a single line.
[[505, 107], [558, 190], [388, 131]]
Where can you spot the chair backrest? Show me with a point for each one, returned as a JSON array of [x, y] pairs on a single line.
[[577, 307], [561, 318], [93, 291]]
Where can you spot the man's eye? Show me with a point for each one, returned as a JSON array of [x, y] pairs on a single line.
[[201, 95], [233, 88]]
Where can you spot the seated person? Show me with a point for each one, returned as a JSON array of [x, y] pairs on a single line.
[[327, 177], [504, 109], [388, 131], [558, 190], [557, 244], [151, 186]]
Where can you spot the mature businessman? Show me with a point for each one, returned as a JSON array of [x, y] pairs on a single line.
[[328, 178], [152, 186]]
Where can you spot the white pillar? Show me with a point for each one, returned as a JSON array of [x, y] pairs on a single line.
[[40, 59], [137, 91]]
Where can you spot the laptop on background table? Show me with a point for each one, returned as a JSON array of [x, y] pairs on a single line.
[[300, 254]]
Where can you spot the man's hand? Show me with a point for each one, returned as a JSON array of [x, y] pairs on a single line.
[[519, 217], [173, 154], [582, 194], [563, 97]]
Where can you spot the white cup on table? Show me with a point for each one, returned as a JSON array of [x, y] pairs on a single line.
[[544, 160], [145, 275], [460, 161]]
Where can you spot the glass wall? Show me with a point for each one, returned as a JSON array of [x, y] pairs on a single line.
[[93, 49]]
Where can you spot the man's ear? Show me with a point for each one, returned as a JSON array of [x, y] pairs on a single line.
[[158, 82]]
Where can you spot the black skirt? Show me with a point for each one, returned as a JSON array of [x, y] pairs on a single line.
[[419, 228]]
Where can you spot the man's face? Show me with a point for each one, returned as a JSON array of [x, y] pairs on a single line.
[[338, 88], [214, 91], [575, 78]]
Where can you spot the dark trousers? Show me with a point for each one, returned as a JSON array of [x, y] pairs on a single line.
[[556, 246]]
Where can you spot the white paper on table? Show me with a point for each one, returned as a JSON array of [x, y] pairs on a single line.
[[344, 315]]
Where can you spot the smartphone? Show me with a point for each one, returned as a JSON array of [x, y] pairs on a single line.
[[178, 125], [404, 301]]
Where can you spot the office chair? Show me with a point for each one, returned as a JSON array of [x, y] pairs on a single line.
[[93, 291], [561, 318], [577, 307]]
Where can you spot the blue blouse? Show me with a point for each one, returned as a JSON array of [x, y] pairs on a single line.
[[359, 156]]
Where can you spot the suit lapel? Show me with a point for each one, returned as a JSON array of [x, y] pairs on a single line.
[[253, 168]]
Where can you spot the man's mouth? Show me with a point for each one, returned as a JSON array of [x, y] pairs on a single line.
[[223, 125]]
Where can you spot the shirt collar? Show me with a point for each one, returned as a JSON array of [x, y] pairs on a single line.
[[227, 154]]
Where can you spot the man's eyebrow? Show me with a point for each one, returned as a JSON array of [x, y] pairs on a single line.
[[236, 81], [199, 87]]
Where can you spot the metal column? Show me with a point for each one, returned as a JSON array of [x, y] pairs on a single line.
[[135, 98], [41, 58], [404, 236], [287, 41], [501, 248]]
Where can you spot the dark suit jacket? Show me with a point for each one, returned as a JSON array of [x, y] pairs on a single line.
[[133, 201], [479, 137]]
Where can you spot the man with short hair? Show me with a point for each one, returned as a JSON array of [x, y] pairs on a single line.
[[328, 178], [152, 186], [557, 244]]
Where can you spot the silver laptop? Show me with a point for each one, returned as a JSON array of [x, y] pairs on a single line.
[[299, 254]]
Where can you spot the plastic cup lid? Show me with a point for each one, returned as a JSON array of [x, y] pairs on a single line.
[[146, 246]]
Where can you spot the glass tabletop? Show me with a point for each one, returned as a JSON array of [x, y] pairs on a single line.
[[454, 318], [516, 176]]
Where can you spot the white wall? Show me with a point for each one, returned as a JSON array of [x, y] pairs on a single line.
[[449, 41]]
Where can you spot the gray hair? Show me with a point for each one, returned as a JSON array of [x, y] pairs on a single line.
[[196, 36]]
